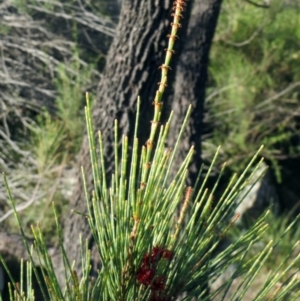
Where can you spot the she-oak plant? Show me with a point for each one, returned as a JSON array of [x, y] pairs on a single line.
[[157, 239]]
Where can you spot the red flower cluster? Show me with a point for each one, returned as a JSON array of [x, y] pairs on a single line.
[[146, 273]]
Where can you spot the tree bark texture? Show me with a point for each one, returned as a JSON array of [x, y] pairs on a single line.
[[190, 81], [12, 245], [131, 71]]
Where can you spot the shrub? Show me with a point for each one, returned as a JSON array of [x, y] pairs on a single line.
[[253, 72], [157, 239]]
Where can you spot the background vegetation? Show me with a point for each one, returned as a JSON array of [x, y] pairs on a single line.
[[255, 80], [52, 52]]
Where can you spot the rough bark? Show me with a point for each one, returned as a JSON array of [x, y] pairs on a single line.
[[11, 245], [190, 80], [131, 70]]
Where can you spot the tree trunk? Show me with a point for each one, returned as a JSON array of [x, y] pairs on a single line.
[[190, 81], [131, 71]]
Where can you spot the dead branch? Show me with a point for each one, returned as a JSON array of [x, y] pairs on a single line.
[[31, 53], [266, 3]]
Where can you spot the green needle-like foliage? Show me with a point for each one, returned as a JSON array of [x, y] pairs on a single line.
[[158, 239]]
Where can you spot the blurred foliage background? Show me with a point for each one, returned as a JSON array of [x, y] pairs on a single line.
[[254, 89], [51, 52]]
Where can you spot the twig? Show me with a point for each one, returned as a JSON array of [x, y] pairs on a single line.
[[278, 95], [22, 206], [265, 5]]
